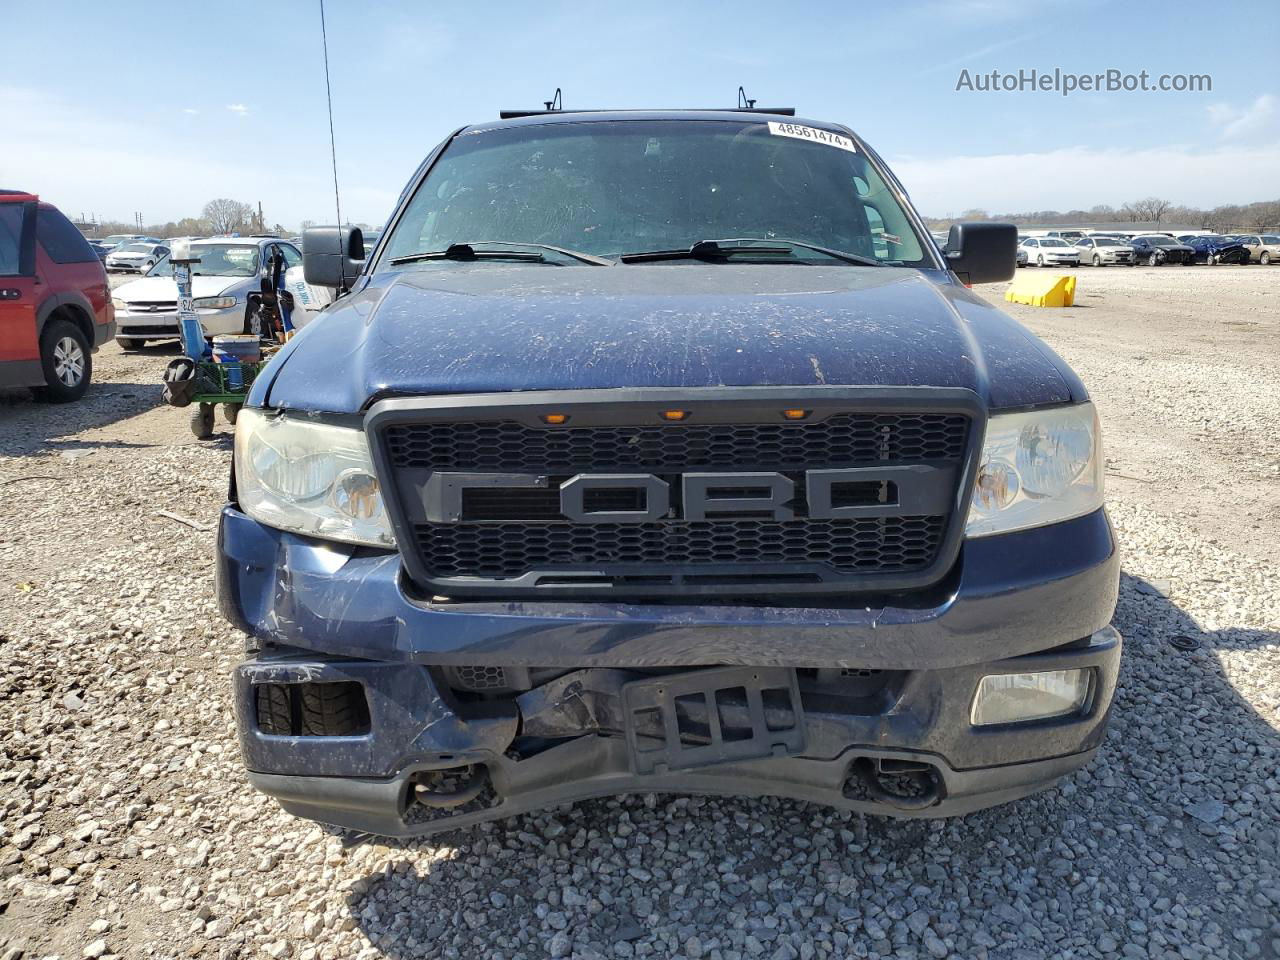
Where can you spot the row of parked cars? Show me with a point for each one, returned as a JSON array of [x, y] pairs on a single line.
[[1073, 248]]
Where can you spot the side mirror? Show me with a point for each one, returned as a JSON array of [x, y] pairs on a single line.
[[982, 252], [332, 256]]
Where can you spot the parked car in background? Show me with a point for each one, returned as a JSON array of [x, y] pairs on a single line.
[[55, 306], [1050, 252], [1022, 255], [1099, 251], [1069, 235], [1155, 249], [116, 239], [136, 257], [1262, 247], [1211, 248], [224, 288], [100, 250]]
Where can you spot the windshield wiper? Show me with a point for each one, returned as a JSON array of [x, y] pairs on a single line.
[[468, 251], [719, 251]]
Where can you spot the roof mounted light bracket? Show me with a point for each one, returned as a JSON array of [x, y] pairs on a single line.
[[743, 102], [554, 105]]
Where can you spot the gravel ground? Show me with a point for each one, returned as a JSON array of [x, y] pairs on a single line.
[[129, 830]]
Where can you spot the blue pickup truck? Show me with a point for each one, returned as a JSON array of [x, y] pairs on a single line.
[[663, 451]]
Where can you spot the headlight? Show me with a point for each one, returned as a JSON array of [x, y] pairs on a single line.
[[1037, 468], [118, 304], [214, 303], [309, 478]]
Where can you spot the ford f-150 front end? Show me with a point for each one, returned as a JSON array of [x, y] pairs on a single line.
[[664, 452]]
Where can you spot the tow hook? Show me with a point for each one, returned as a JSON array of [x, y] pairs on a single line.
[[428, 796], [900, 784]]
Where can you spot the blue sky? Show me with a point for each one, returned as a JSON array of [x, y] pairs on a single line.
[[161, 109]]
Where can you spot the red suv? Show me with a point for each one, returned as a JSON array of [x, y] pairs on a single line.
[[55, 305]]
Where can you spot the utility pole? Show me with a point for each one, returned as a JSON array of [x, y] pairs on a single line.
[[261, 224]]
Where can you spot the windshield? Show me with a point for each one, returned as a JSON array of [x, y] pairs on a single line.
[[1052, 242], [216, 260], [1107, 242], [1161, 241], [614, 187], [136, 248]]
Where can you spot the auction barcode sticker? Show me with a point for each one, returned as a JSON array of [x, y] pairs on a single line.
[[801, 132]]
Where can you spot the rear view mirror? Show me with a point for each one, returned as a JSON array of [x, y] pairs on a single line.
[[982, 252], [332, 256]]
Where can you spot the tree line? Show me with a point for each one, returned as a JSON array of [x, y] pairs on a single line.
[[219, 217], [1260, 217]]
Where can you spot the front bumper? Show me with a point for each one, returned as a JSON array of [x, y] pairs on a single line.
[[1025, 602], [155, 326]]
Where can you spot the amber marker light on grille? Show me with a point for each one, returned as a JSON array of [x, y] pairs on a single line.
[[795, 414], [674, 414], [555, 418]]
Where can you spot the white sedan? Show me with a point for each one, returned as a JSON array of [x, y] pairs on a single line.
[[1051, 252], [224, 288], [1099, 251], [138, 257]]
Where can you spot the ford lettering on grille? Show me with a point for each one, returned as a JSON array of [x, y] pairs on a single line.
[[645, 498]]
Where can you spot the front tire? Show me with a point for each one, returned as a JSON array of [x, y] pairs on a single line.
[[1264, 258], [66, 362], [1039, 259], [1097, 260], [1153, 261], [131, 343]]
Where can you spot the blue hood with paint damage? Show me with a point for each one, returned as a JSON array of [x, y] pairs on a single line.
[[489, 327]]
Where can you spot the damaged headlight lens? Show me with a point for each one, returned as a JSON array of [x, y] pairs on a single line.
[[1038, 467], [311, 478]]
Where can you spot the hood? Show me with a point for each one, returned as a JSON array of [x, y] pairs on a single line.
[[473, 328], [163, 288]]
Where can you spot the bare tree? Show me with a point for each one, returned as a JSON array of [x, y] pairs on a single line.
[[228, 216]]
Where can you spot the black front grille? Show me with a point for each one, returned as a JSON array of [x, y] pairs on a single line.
[[506, 529], [845, 439], [506, 550]]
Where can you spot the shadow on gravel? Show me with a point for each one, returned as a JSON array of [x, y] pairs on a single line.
[[29, 427], [1165, 847]]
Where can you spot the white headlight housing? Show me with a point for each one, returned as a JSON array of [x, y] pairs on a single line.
[[311, 478], [1038, 467]]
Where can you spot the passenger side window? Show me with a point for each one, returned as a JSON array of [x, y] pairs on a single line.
[[62, 242], [1271, 240], [291, 256], [10, 239]]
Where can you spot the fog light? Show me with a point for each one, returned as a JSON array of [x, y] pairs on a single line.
[[1018, 697]]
